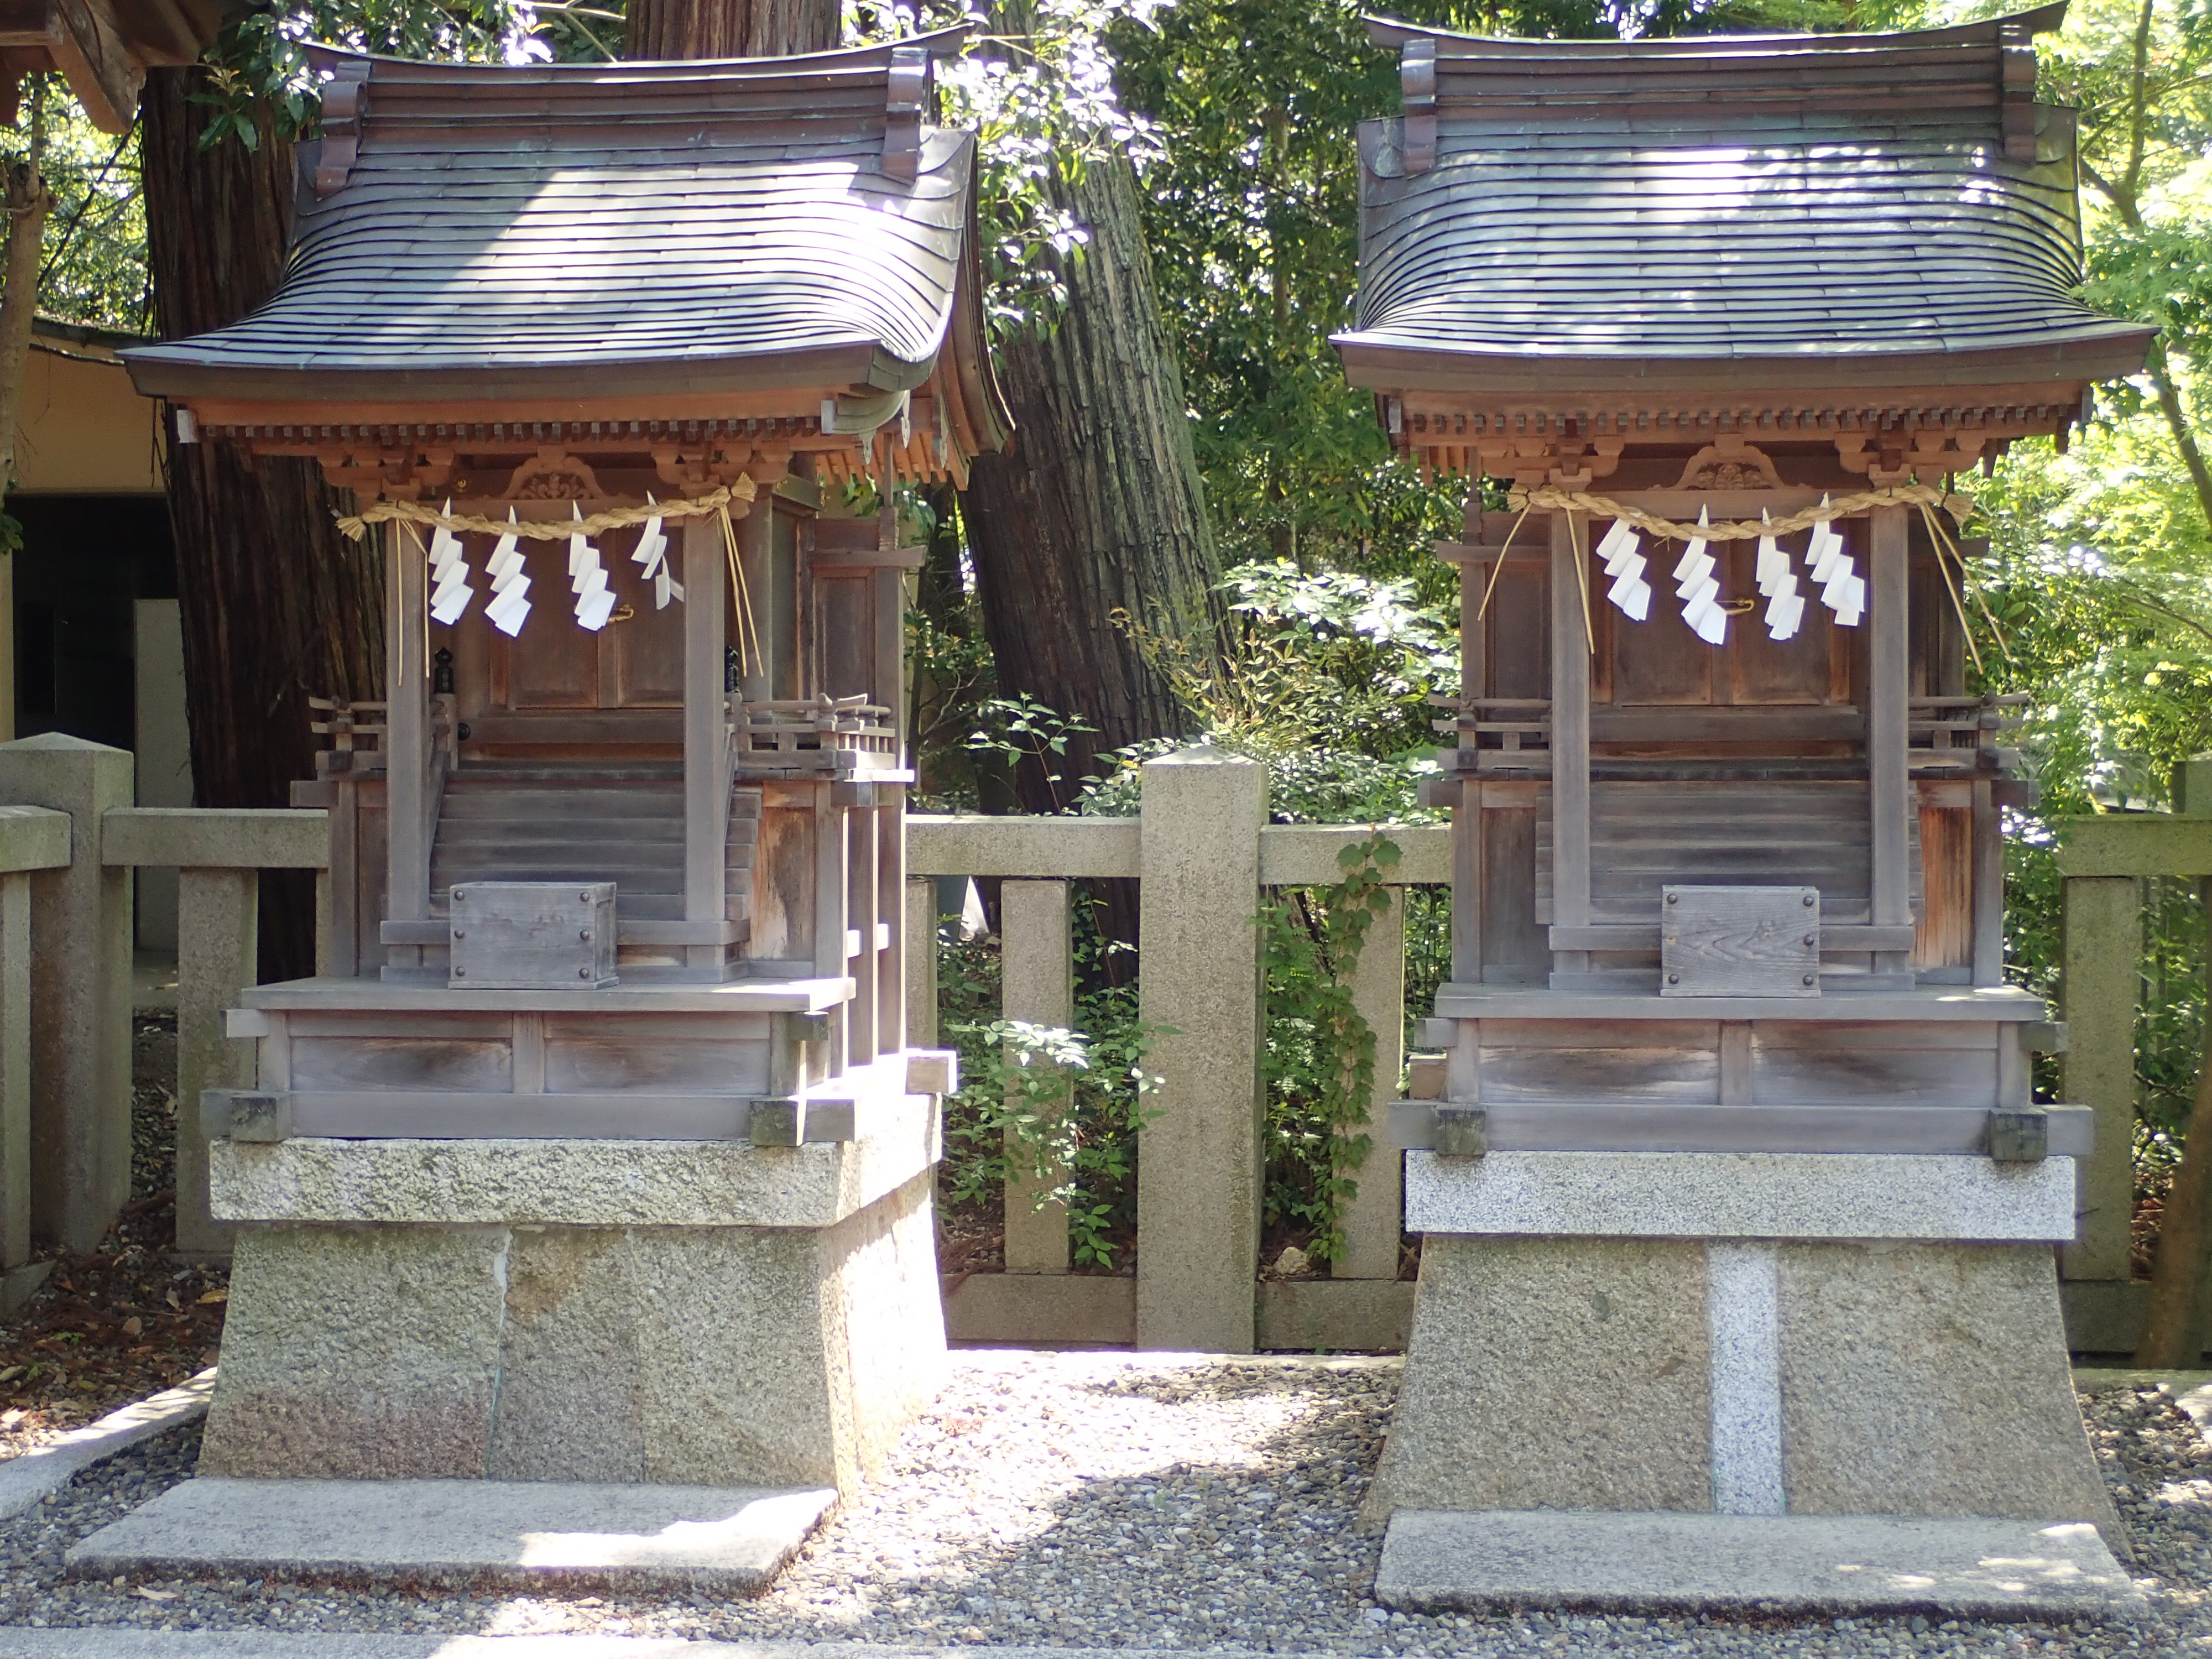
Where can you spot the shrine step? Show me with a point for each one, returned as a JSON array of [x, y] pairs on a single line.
[[480, 1533], [1438, 1561]]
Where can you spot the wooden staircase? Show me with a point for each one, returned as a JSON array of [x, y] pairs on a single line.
[[584, 821]]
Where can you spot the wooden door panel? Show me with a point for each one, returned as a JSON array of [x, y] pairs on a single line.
[[642, 658]]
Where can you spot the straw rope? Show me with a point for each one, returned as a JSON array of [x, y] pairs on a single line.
[[1925, 497], [545, 529]]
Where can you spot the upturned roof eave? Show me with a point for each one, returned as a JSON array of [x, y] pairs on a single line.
[[1817, 371], [162, 371]]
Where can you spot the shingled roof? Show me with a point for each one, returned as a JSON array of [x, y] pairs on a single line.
[[488, 232], [1888, 210]]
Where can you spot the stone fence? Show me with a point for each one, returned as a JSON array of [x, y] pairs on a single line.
[[68, 840], [2103, 863], [1202, 853]]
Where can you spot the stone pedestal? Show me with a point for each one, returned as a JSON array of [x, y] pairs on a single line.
[[1755, 1335], [694, 1313]]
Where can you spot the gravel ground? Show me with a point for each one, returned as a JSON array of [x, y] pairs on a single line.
[[1098, 1499]]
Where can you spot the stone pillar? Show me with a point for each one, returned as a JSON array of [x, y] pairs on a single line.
[[1037, 968], [2098, 990], [218, 928], [1374, 1220], [920, 962], [80, 993], [1198, 1194]]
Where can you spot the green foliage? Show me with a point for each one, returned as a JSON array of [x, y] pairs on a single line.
[[1060, 1106], [262, 84], [1318, 1070]]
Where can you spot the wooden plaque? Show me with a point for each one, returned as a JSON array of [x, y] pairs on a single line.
[[1739, 941], [533, 935]]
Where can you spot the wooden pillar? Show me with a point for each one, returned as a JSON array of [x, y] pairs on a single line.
[[407, 837], [832, 957], [1375, 1219], [890, 891], [706, 757], [2098, 983], [862, 1044], [1467, 813], [1037, 965], [1571, 788], [1888, 788], [1987, 909]]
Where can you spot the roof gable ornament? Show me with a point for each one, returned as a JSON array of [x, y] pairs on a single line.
[[345, 113], [1417, 87], [904, 96]]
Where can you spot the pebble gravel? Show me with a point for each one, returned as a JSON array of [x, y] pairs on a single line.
[[1112, 1500]]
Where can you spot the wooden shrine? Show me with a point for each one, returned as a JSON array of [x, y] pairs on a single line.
[[603, 354], [1730, 322]]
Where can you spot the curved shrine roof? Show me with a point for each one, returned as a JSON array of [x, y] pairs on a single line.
[[1887, 210], [487, 232]]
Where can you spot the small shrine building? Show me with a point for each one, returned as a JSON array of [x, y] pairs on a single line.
[[1734, 1139]]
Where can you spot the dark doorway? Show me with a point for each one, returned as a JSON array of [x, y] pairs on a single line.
[[85, 561]]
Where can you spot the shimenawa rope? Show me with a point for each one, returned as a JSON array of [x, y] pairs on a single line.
[[1550, 496], [545, 529]]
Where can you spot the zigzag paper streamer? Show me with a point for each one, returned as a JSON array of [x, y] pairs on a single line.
[[1699, 590], [509, 586], [587, 580], [1626, 565], [449, 571], [652, 553]]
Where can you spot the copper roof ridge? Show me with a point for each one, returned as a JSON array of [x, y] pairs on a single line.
[[939, 43], [1986, 32]]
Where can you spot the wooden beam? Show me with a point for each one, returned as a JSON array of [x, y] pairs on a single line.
[[1591, 1126]]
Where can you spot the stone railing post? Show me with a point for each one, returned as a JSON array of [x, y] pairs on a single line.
[[30, 838], [219, 854], [920, 962], [2098, 985], [1374, 1222], [1199, 1161], [1038, 979], [80, 1023]]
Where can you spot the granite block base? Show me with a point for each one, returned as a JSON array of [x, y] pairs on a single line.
[[614, 1351], [1761, 1378]]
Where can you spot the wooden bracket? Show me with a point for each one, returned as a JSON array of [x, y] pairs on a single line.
[[1462, 1131], [906, 91], [1417, 86], [2021, 1137], [345, 113]]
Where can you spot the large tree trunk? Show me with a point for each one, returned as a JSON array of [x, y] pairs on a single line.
[[664, 29], [276, 606], [1098, 508]]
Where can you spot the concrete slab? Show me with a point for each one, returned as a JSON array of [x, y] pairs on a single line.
[[26, 1478], [109, 1641], [1436, 1560], [482, 1533]]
